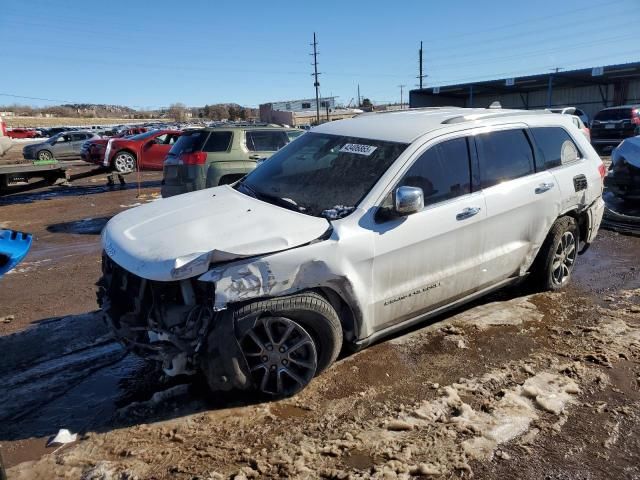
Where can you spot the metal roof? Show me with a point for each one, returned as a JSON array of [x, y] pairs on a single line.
[[570, 78]]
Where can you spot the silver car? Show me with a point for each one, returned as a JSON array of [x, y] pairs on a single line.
[[63, 146]]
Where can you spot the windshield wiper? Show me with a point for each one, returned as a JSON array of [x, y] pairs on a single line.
[[273, 199]]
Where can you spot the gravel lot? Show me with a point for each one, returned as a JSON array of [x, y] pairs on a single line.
[[520, 385]]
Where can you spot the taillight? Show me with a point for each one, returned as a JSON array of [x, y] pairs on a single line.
[[195, 158], [603, 170]]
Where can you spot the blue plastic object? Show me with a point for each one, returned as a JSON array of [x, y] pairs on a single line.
[[14, 246]]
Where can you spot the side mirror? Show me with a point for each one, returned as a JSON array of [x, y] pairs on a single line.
[[408, 200]]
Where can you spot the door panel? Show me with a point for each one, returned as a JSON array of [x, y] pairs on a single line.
[[427, 259], [521, 205], [431, 257], [520, 213]]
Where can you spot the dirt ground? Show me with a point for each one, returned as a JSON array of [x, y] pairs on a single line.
[[520, 385]]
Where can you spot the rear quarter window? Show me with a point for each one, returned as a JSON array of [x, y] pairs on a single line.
[[551, 142]]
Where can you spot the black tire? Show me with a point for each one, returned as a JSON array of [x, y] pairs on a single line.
[[44, 155], [310, 311], [554, 264]]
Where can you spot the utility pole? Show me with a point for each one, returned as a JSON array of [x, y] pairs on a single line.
[[401, 91], [315, 74], [359, 102], [420, 74]]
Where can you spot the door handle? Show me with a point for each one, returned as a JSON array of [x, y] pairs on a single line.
[[543, 187], [255, 157], [467, 213]]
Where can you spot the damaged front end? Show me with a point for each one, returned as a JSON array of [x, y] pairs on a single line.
[[623, 178], [172, 322]]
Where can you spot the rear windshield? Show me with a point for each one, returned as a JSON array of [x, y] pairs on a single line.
[[189, 142], [614, 114]]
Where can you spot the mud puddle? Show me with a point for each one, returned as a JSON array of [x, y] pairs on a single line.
[[66, 373], [85, 226], [72, 191]]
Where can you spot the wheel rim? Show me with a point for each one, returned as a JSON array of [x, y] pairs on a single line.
[[564, 259], [281, 355], [124, 162], [44, 156]]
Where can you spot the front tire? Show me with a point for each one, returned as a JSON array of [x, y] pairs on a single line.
[[44, 155], [557, 257], [124, 162], [287, 341]]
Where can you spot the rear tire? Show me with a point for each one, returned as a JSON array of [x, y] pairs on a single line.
[[287, 341], [556, 259]]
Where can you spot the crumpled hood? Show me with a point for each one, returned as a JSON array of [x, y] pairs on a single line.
[[178, 237], [628, 150]]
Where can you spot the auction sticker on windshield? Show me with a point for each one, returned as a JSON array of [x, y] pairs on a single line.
[[358, 149]]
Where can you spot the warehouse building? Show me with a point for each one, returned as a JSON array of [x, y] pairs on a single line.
[[303, 112], [590, 89]]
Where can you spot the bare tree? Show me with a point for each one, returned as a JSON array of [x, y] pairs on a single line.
[[178, 111]]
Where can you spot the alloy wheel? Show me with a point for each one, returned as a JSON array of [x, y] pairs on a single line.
[[44, 155], [124, 162], [281, 355], [564, 259]]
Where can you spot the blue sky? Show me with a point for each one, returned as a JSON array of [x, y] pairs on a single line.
[[153, 53]]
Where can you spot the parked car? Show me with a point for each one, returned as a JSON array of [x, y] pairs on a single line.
[[355, 230], [208, 157], [147, 150], [623, 178], [612, 125], [572, 111], [22, 133], [5, 141], [50, 132], [63, 146]]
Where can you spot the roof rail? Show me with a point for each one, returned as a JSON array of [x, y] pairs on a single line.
[[495, 114]]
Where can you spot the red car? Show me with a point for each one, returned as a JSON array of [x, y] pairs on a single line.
[[128, 132], [22, 133], [146, 150]]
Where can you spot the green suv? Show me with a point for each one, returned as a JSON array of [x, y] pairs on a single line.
[[208, 157]]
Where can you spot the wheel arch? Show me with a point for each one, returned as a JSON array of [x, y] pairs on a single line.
[[125, 149], [582, 220]]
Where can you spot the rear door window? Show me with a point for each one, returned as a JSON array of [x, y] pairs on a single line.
[[555, 147], [442, 172], [218, 142], [266, 141], [503, 155]]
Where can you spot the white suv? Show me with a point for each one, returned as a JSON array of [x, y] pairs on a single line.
[[351, 232]]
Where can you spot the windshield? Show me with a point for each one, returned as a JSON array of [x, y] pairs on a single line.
[[142, 136], [322, 175]]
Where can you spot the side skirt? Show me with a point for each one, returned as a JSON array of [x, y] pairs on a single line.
[[425, 316]]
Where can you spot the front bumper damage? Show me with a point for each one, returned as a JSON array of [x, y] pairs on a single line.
[[173, 323]]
